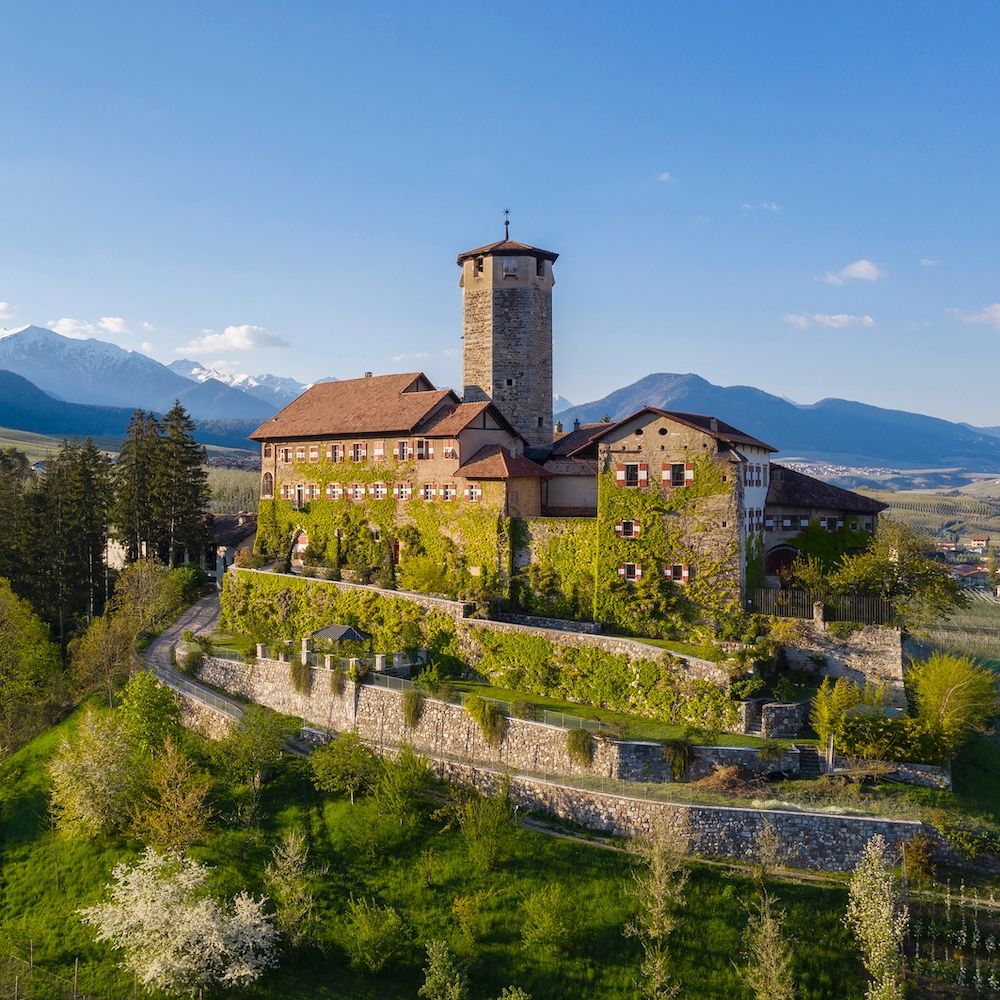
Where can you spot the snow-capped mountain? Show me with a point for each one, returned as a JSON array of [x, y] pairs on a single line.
[[275, 389], [560, 403], [96, 372]]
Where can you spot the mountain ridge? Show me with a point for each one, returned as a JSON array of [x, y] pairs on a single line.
[[829, 429]]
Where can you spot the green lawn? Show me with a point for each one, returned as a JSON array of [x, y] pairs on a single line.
[[699, 651], [634, 727], [45, 878]]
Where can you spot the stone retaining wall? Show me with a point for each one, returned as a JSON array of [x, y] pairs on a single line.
[[443, 728], [560, 624], [806, 840], [198, 717]]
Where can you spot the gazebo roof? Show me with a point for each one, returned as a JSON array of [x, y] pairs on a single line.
[[342, 633]]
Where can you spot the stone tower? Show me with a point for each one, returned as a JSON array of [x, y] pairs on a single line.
[[507, 334]]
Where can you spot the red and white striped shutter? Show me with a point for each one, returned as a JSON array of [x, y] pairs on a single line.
[[688, 473], [621, 570], [395, 491], [379, 450], [619, 528], [684, 574], [430, 449], [638, 571], [620, 476], [665, 474], [636, 529], [364, 451], [432, 490], [395, 450], [643, 473]]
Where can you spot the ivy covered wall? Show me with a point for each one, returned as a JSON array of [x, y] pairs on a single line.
[[455, 548], [695, 526]]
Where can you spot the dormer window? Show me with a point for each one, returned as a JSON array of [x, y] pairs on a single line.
[[509, 267]]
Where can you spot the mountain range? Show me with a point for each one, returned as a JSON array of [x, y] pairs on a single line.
[[275, 389], [832, 430], [98, 373]]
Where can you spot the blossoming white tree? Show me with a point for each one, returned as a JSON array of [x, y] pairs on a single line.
[[175, 937], [878, 918]]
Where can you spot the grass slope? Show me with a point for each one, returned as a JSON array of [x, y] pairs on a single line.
[[45, 878]]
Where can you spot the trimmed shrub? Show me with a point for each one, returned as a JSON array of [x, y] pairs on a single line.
[[375, 935], [544, 926], [580, 747], [524, 710], [487, 717], [412, 705]]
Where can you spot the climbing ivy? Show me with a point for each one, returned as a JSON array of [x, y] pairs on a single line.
[[559, 580]]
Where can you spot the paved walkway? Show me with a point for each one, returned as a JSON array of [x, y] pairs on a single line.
[[200, 617]]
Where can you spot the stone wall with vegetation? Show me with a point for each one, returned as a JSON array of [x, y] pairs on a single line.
[[807, 840], [441, 728]]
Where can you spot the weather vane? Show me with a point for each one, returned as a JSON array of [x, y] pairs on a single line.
[[506, 223]]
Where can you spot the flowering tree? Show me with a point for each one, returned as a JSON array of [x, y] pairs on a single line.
[[174, 937], [878, 918]]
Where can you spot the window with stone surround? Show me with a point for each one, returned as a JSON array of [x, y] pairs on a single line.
[[509, 267], [379, 491], [286, 454], [300, 453], [267, 485], [267, 451], [314, 453], [448, 491], [427, 491]]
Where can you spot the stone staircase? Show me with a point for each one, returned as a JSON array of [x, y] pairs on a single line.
[[810, 763]]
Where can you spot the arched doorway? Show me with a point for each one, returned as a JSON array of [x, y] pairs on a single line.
[[299, 545], [778, 561]]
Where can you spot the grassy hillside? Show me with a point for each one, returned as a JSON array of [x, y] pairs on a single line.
[[45, 878]]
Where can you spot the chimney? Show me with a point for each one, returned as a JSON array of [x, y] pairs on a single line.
[[713, 425], [558, 427], [368, 374], [576, 424]]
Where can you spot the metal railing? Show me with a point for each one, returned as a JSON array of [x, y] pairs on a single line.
[[200, 693], [513, 710], [863, 609]]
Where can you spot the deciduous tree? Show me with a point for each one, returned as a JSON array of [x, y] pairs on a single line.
[[102, 656], [444, 979], [149, 712], [176, 938], [345, 765]]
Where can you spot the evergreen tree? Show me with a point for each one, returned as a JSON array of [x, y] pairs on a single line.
[[134, 511], [16, 521], [181, 492]]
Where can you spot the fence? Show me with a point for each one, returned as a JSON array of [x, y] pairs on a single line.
[[513, 710], [21, 979], [201, 693], [863, 609]]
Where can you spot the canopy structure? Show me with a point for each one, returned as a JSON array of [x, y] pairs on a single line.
[[342, 633]]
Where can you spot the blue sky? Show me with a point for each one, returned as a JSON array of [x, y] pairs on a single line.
[[795, 196]]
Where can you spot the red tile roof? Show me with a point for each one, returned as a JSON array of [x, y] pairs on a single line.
[[509, 247], [493, 461], [376, 404], [718, 429], [450, 421], [789, 488], [566, 444]]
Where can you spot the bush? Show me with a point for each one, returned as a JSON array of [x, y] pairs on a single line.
[[301, 676], [486, 823], [338, 679], [888, 738], [678, 754], [402, 784], [918, 859], [375, 935], [523, 710], [190, 582], [771, 752], [469, 914], [580, 747], [544, 924], [191, 662], [248, 559], [487, 717], [412, 705]]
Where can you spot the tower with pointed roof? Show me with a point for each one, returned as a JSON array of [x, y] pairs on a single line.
[[507, 333]]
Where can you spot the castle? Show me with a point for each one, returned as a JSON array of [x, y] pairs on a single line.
[[478, 494]]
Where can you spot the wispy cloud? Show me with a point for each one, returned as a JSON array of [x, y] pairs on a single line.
[[449, 352], [859, 270], [663, 176], [928, 262], [77, 329], [113, 324], [414, 356], [146, 347], [234, 338], [990, 316], [148, 327], [7, 311], [762, 206], [836, 320]]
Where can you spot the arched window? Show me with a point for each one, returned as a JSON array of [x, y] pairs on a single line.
[[267, 488]]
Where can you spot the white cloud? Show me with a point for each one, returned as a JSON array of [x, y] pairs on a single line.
[[415, 356], [989, 316], [7, 311], [148, 327], [449, 352], [859, 270], [663, 176], [77, 329], [234, 338], [770, 206], [837, 320], [146, 347], [113, 324], [928, 262]]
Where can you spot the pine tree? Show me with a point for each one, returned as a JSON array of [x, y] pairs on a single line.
[[133, 514], [181, 488]]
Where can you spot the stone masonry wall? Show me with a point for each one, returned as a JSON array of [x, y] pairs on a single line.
[[198, 717], [807, 840], [872, 653], [445, 729]]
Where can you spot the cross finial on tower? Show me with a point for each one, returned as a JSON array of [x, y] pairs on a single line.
[[506, 223]]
